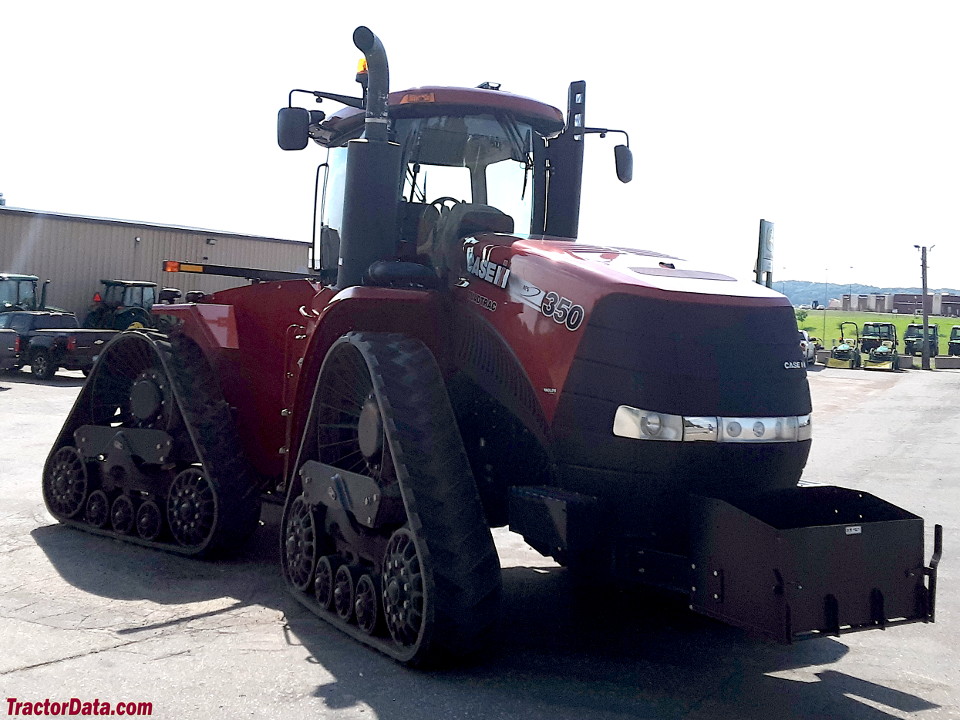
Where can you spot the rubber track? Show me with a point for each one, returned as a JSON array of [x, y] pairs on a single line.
[[210, 428], [442, 504]]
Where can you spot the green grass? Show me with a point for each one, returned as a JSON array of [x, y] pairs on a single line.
[[825, 324]]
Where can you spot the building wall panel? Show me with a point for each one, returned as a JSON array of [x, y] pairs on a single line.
[[75, 253]]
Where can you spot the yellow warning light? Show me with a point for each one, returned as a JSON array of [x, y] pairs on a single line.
[[410, 98], [362, 67], [171, 266]]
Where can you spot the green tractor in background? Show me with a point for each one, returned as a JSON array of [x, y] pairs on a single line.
[[19, 292], [846, 354], [126, 304]]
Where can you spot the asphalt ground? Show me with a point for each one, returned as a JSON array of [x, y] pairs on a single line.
[[95, 619]]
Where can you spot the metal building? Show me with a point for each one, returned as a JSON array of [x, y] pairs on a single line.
[[75, 252]]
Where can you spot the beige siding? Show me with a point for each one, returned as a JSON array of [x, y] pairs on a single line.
[[75, 253]]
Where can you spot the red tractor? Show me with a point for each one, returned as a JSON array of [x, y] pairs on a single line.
[[460, 362]]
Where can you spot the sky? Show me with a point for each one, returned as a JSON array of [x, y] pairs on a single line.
[[837, 121]]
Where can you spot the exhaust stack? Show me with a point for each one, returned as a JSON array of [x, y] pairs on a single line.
[[369, 231]]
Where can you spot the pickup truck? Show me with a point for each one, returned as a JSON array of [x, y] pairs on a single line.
[[808, 347], [9, 350], [52, 340]]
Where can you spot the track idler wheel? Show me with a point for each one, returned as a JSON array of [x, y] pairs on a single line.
[[404, 600], [65, 483], [192, 508], [300, 544]]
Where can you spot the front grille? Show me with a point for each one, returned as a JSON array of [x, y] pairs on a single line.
[[683, 359]]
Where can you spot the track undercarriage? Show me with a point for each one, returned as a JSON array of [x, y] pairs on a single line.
[[383, 531], [149, 455]]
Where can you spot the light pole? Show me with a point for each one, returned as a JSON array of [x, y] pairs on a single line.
[[925, 361], [823, 335], [850, 291]]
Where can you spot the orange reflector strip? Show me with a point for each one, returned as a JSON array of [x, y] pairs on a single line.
[[191, 268], [418, 98]]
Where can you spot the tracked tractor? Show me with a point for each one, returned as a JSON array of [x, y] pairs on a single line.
[[881, 355], [460, 361], [846, 353]]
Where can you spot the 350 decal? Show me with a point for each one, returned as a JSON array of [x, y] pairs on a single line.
[[562, 310]]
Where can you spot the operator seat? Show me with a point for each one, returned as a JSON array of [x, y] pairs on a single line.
[[461, 221]]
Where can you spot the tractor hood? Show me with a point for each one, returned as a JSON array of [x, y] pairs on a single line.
[[720, 345], [603, 269]]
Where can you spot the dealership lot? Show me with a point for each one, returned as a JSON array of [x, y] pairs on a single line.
[[94, 619]]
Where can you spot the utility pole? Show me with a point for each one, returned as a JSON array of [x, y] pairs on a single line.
[[925, 358], [826, 299]]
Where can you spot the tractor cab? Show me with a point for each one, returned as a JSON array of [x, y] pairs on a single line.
[[123, 304], [461, 161], [19, 292]]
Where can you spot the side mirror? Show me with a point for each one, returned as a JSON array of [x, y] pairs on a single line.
[[624, 159], [293, 125]]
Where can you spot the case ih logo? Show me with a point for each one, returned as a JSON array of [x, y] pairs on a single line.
[[486, 269]]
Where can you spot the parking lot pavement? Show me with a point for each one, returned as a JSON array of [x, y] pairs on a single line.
[[94, 619]]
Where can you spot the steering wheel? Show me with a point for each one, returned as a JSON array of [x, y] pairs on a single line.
[[445, 203]]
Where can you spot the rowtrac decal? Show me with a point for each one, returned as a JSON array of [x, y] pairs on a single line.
[[486, 269], [482, 301]]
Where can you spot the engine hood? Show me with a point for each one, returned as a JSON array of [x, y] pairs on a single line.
[[637, 270]]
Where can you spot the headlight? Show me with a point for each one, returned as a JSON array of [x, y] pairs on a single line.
[[640, 424], [647, 424]]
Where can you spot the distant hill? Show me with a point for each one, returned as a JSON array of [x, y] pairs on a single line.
[[804, 292]]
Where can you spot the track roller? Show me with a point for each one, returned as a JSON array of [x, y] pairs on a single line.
[[345, 591], [98, 509], [149, 520], [327, 567], [366, 604], [122, 515]]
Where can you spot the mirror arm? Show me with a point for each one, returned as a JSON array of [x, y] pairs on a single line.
[[319, 95], [602, 132]]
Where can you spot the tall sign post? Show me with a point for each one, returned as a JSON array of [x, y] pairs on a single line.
[[925, 358], [764, 267]]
